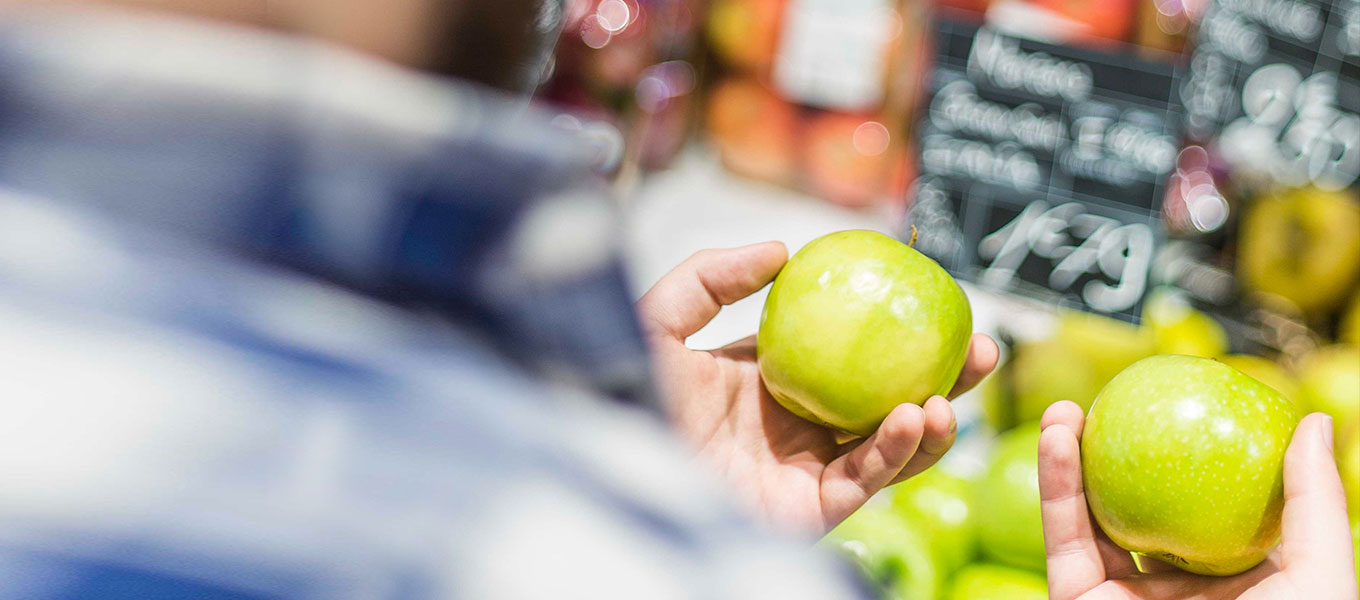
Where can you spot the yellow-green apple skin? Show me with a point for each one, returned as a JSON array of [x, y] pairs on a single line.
[[894, 552], [996, 582], [1046, 372], [1265, 371], [1301, 245], [1109, 345], [942, 504], [1355, 542], [1182, 459], [1350, 323], [1348, 464], [1177, 328], [857, 323], [1037, 375], [1329, 381], [1009, 526]]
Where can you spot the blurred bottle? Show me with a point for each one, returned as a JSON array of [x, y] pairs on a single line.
[[1164, 25], [817, 95], [628, 65]]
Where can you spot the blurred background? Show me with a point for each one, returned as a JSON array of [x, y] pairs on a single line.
[[1110, 179]]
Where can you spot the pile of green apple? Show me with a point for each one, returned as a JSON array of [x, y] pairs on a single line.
[[940, 536]]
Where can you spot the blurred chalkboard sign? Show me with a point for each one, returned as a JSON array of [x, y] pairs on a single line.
[[1276, 85], [1042, 167]]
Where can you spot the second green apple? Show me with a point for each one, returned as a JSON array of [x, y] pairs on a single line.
[[1182, 459]]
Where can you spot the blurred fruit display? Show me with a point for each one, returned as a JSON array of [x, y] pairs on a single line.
[[1007, 498], [753, 129], [1301, 248], [743, 33], [1355, 538], [1329, 381], [995, 582], [1178, 328], [894, 552], [943, 504], [1348, 463], [816, 95], [627, 65]]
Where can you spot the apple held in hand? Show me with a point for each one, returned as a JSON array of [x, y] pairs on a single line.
[[1183, 461], [857, 323]]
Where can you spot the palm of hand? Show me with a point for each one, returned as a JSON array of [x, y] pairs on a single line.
[[748, 437]]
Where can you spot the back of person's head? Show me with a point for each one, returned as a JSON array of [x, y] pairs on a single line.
[[505, 44]]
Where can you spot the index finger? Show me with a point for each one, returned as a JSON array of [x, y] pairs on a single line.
[[1075, 565], [982, 357], [1316, 537]]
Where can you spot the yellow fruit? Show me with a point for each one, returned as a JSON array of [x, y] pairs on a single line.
[[1108, 345], [1303, 246], [1329, 381], [1348, 463], [1177, 328], [1350, 324]]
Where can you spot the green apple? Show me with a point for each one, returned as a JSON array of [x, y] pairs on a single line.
[[1109, 345], [1009, 527], [1048, 371], [1350, 323], [1183, 461], [1348, 464], [894, 553], [942, 503], [1177, 328], [1355, 542], [1300, 246], [857, 323], [1264, 371], [1037, 375], [995, 582], [1329, 381]]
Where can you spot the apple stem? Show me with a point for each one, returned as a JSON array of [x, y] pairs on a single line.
[[912, 243]]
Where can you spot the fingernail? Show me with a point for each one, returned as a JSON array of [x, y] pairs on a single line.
[[1327, 432], [953, 425]]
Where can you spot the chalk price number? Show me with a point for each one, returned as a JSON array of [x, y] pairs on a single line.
[[1079, 246]]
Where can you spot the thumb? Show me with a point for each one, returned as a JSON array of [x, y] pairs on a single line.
[[688, 297], [1316, 537]]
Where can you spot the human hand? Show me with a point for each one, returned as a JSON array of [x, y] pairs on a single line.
[[1313, 561], [792, 472]]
